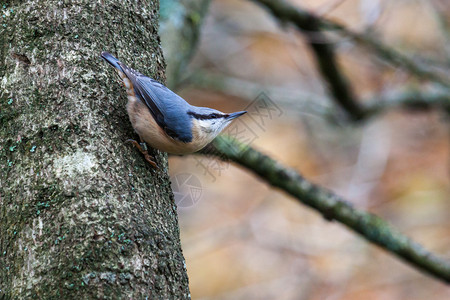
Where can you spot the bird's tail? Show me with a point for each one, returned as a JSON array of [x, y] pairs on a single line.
[[112, 60]]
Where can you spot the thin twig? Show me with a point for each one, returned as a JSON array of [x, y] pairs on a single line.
[[300, 101], [333, 207], [300, 18], [324, 54], [409, 99]]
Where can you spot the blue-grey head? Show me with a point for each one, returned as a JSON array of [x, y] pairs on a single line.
[[210, 122]]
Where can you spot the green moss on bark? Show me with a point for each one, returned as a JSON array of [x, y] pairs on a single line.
[[82, 215]]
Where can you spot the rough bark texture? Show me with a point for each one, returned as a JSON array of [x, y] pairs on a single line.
[[81, 214]]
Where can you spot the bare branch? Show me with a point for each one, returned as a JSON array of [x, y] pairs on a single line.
[[324, 54], [302, 101], [308, 21], [409, 99], [332, 207]]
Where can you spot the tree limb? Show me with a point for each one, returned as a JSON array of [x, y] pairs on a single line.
[[302, 101], [331, 206], [302, 19], [324, 54], [409, 99]]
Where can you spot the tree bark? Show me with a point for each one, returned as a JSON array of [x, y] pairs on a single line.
[[81, 214]]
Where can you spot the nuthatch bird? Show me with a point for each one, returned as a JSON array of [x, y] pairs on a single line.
[[163, 119]]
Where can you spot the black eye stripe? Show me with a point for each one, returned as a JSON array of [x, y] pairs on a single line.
[[208, 116]]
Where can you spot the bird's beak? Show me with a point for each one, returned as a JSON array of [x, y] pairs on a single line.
[[235, 115]]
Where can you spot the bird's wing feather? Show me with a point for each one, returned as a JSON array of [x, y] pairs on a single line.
[[167, 108], [147, 95]]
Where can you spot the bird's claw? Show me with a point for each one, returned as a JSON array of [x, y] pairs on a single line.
[[142, 147]]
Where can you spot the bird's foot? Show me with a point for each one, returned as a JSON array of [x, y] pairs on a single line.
[[142, 147]]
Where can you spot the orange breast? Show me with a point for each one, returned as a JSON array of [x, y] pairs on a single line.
[[149, 131], [147, 128]]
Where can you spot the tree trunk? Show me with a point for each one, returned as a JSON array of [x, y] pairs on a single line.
[[81, 214]]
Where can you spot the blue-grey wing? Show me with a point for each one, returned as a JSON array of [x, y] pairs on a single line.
[[168, 109]]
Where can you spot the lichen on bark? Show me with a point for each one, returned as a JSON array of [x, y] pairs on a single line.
[[81, 214]]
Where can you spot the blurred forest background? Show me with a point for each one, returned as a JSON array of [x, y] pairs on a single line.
[[245, 240]]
